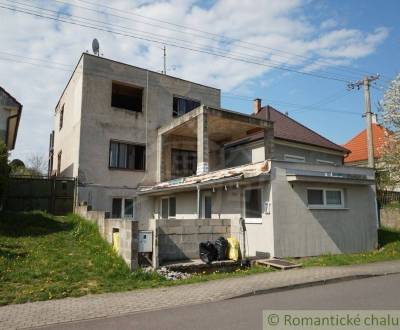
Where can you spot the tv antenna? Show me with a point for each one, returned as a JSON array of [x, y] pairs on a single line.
[[96, 47]]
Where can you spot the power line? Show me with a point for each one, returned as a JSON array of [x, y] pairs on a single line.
[[173, 44], [218, 36], [246, 57]]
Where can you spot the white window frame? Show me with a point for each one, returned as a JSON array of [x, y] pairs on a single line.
[[294, 158], [328, 162], [325, 205], [160, 213], [253, 220]]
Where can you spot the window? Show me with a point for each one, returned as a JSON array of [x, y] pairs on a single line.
[[294, 159], [182, 106], [184, 163], [253, 205], [116, 207], [59, 163], [325, 198], [168, 207], [126, 97], [328, 162], [127, 156], [60, 125], [122, 208]]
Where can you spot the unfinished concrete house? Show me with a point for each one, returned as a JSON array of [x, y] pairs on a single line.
[[160, 151]]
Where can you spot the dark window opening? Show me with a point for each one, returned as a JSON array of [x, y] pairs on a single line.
[[253, 203], [126, 97], [61, 118], [168, 208], [184, 163], [207, 207], [315, 196], [128, 208], [172, 207], [116, 208], [59, 163], [182, 106], [127, 156]]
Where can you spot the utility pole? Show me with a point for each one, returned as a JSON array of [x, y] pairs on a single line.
[[165, 60], [368, 114]]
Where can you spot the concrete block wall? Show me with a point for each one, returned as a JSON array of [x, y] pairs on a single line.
[[128, 231], [179, 239], [390, 218]]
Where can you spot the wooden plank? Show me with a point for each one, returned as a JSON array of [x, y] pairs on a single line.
[[278, 263]]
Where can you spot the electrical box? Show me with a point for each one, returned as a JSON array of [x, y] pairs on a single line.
[[145, 241]]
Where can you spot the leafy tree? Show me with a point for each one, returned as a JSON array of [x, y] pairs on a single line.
[[390, 109]]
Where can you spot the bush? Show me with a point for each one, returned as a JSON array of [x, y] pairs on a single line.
[[4, 169]]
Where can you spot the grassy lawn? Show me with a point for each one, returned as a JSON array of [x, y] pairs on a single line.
[[45, 257], [389, 249]]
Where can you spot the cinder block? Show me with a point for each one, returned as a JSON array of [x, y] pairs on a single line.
[[226, 222], [216, 222], [219, 230], [205, 229], [190, 230]]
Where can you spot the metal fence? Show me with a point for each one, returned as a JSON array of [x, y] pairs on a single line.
[[388, 198], [55, 195]]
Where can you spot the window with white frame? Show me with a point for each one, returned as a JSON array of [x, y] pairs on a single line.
[[294, 158], [253, 205], [122, 208], [325, 198], [323, 161], [168, 207]]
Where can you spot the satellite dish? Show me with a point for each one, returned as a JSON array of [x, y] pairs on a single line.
[[96, 47]]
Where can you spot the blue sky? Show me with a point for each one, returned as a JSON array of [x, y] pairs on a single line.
[[294, 88], [319, 37]]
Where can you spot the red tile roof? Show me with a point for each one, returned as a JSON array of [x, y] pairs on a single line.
[[358, 144], [287, 128]]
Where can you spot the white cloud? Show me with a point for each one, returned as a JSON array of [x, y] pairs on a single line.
[[274, 24]]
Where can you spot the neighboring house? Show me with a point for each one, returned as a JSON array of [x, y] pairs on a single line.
[[10, 115], [358, 146], [160, 150]]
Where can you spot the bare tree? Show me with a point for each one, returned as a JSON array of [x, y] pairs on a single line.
[[37, 164]]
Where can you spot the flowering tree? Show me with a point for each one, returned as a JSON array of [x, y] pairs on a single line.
[[390, 109]]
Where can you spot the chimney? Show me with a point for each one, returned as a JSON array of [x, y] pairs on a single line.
[[374, 118], [257, 106]]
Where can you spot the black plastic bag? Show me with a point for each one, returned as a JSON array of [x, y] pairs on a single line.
[[221, 245], [208, 252]]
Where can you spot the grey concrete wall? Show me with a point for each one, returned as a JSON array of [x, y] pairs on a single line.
[[67, 139], [254, 152], [300, 231], [180, 239], [390, 218], [127, 228]]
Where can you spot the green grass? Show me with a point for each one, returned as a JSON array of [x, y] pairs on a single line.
[[44, 257], [389, 249]]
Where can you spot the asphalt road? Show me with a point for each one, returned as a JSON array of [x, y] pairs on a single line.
[[246, 313]]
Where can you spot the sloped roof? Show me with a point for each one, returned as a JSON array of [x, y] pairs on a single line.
[[287, 128], [239, 172], [358, 144]]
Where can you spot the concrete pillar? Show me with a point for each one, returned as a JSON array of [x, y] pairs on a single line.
[[269, 142], [133, 231], [160, 160], [202, 143]]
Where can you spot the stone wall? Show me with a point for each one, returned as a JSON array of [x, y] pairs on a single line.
[[128, 231], [390, 217], [179, 239]]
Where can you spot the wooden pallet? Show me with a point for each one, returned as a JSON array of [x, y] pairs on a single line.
[[278, 263]]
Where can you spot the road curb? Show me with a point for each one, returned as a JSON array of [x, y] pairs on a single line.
[[310, 284]]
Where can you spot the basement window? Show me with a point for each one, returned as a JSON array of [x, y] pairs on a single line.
[[122, 208], [182, 105], [325, 198], [168, 207], [253, 205], [126, 97], [127, 156]]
